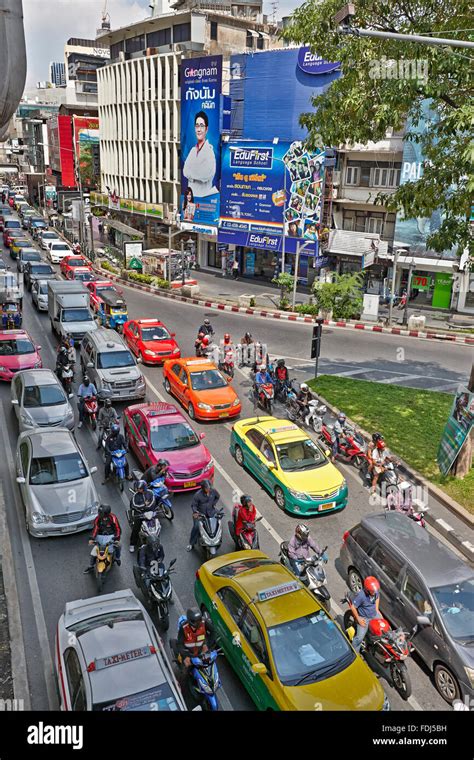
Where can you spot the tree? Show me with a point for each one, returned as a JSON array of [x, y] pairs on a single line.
[[386, 82], [342, 296], [285, 282]]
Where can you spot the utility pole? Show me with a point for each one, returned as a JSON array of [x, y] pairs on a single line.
[[316, 343], [183, 273], [300, 247], [392, 287], [410, 275]]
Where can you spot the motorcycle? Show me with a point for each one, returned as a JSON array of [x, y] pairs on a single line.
[[162, 503], [352, 446], [90, 410], [248, 537], [313, 575], [401, 501], [117, 466], [104, 558], [227, 365], [158, 592], [210, 533], [149, 526], [265, 393], [385, 649], [203, 676], [66, 377]]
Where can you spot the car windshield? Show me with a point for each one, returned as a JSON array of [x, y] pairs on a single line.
[[16, 346], [310, 648], [27, 256], [179, 435], [75, 262], [90, 624], [76, 315], [300, 455], [41, 269], [105, 288], [83, 276], [43, 395], [60, 247], [49, 236], [43, 289], [207, 380], [155, 333], [13, 224], [57, 469], [113, 359], [159, 698], [456, 607], [21, 244]]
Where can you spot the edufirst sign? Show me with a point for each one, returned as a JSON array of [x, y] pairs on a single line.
[[311, 63]]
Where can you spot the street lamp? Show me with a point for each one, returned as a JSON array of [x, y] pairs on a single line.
[[410, 275]]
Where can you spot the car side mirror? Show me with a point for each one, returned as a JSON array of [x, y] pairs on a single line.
[[173, 335], [15, 401], [90, 365], [56, 319], [141, 445], [21, 480], [93, 469], [271, 465], [202, 436], [327, 452], [38, 348], [259, 668], [139, 360], [423, 621], [173, 562], [229, 379]]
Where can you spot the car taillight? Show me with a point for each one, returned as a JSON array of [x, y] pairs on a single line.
[[345, 536], [91, 667], [197, 574]]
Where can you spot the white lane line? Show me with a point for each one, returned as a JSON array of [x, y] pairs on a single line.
[[31, 571], [444, 524], [415, 704], [17, 644], [399, 379], [351, 372]]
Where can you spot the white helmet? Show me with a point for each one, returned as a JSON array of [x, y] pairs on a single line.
[[304, 387]]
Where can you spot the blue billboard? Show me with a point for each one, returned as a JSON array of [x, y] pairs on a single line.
[[201, 84]]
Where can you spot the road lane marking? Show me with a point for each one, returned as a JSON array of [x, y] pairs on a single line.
[[415, 704], [48, 669]]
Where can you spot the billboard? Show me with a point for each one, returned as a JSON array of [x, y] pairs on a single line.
[[201, 84], [86, 144], [269, 190], [457, 429]]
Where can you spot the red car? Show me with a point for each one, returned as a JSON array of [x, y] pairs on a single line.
[[149, 339], [82, 274], [69, 262], [17, 352], [10, 226], [96, 288], [160, 430]]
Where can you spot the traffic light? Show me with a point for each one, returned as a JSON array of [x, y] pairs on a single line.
[[316, 341]]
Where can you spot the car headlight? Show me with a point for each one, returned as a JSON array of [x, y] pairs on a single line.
[[106, 386], [386, 704], [176, 350], [40, 517], [209, 465], [3, 369], [92, 510], [150, 353], [301, 495], [141, 382], [470, 674], [236, 402], [37, 364], [26, 418], [207, 407]]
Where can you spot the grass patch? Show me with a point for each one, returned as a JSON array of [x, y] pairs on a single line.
[[411, 420]]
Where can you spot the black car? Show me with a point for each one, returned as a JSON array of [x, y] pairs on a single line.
[[37, 271], [25, 255], [419, 576]]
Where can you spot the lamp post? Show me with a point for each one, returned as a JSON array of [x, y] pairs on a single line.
[[300, 247], [183, 273], [410, 275]]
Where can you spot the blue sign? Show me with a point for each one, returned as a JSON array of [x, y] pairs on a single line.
[[250, 262], [201, 84], [267, 241], [311, 63], [226, 114]]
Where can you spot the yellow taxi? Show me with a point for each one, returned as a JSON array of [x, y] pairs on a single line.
[[201, 388], [292, 467], [285, 648]]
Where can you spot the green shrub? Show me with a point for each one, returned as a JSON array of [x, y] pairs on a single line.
[[342, 296], [148, 279], [252, 302], [307, 308], [108, 266]]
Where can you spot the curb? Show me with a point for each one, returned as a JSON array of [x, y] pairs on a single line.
[[288, 316], [465, 547]]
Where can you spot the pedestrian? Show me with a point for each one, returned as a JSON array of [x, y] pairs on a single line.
[[224, 263], [235, 268]]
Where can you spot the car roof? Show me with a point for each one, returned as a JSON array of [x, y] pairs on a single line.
[[195, 365], [438, 565], [103, 336], [148, 322], [38, 377], [278, 430], [51, 442], [5, 334], [156, 409]]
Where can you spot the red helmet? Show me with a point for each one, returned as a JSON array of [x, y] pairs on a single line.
[[227, 338], [371, 584], [380, 445], [200, 335], [205, 341], [379, 627]]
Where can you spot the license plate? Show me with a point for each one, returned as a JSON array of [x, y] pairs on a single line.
[[68, 529], [224, 414], [323, 507], [190, 484]]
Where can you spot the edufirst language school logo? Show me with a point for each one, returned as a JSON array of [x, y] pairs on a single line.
[[257, 158]]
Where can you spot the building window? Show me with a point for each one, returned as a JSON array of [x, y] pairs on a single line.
[[375, 224], [249, 40], [135, 44], [352, 175], [115, 50], [385, 177], [158, 38], [260, 42], [214, 30], [181, 32]]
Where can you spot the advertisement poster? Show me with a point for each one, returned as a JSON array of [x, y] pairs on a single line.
[[87, 140], [457, 429], [269, 190], [201, 84]]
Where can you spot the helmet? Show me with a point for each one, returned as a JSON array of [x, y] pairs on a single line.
[[245, 499], [114, 428], [104, 510], [379, 627], [207, 322], [108, 402], [371, 584], [194, 617], [63, 350], [281, 363], [304, 387], [380, 445], [163, 463], [342, 416], [141, 485], [205, 485], [200, 335], [86, 380], [226, 338], [302, 532], [153, 542], [247, 335], [205, 341], [377, 437]]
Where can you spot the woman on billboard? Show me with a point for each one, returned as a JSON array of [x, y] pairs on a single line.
[[200, 165]]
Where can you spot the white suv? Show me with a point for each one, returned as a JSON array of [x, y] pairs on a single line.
[[58, 250]]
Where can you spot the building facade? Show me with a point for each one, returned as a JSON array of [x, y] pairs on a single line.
[[57, 74]]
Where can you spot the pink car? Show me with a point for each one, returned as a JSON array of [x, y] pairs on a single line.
[[17, 352], [161, 431]]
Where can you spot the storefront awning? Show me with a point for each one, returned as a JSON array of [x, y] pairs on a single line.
[[124, 228], [251, 31], [347, 243]]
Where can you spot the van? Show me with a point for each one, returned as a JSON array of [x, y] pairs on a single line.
[[419, 576], [110, 365]]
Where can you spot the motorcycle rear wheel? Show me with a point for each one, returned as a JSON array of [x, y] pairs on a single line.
[[401, 679], [164, 617], [358, 461], [93, 424], [290, 414], [167, 512], [100, 582]]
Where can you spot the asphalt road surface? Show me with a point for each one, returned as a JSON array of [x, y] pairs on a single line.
[[49, 571]]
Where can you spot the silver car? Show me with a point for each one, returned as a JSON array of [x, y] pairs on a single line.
[[39, 400], [55, 482], [39, 294], [110, 658]]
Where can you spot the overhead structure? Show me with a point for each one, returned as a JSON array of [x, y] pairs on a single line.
[[12, 58]]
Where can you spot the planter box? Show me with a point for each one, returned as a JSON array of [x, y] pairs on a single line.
[[191, 291], [416, 322], [245, 299]]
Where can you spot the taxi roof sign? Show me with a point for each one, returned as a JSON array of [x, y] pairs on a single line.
[[197, 361], [128, 656], [280, 590], [282, 428], [148, 321]]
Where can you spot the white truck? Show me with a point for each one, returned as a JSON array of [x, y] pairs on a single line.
[[68, 309]]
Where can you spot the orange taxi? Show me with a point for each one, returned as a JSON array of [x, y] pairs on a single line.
[[201, 388]]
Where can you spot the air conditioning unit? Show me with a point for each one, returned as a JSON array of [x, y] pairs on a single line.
[[151, 51], [180, 47], [122, 55], [336, 178]]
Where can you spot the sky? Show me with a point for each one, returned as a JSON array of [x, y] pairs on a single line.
[[50, 23]]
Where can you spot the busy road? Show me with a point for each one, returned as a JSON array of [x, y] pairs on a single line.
[[50, 571]]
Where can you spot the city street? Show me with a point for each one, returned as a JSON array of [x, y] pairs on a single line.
[[49, 571]]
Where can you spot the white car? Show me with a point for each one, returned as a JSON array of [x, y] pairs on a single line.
[[110, 658], [46, 237], [58, 250]]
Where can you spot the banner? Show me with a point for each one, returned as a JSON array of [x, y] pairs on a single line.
[[201, 84], [86, 139], [457, 429]]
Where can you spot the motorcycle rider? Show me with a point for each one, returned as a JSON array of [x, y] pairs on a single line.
[[303, 397], [158, 470], [247, 339], [262, 377], [198, 343], [143, 501], [86, 390], [379, 458], [365, 607], [107, 417], [62, 359], [114, 441], [339, 434], [150, 558], [71, 351], [371, 446], [301, 546], [105, 524], [195, 636], [203, 503], [206, 328], [246, 514]]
